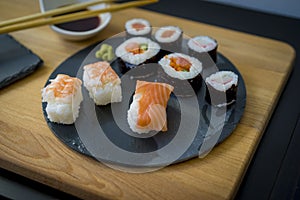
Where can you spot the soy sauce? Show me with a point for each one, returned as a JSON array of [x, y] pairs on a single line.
[[80, 25]]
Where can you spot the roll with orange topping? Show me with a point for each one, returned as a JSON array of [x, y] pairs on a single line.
[[182, 69], [136, 51]]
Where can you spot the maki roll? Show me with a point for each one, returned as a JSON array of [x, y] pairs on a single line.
[[221, 88], [138, 27], [63, 96], [183, 69], [147, 111], [102, 82], [200, 45], [169, 38], [136, 51]]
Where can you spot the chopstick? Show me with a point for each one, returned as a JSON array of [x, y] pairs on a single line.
[[26, 23], [57, 11]]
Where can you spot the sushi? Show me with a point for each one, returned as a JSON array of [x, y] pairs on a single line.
[[184, 69], [147, 112], [136, 51], [63, 96], [199, 46], [138, 27], [221, 88], [169, 38], [102, 82]]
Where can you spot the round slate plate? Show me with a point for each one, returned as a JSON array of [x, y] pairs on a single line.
[[68, 133]]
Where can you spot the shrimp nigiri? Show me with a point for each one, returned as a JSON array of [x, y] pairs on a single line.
[[63, 96], [102, 82]]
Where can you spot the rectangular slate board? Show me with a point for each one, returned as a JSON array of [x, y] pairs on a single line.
[[29, 148], [16, 61]]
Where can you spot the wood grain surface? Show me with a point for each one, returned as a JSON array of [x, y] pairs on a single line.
[[29, 148]]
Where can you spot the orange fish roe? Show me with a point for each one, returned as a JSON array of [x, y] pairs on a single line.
[[152, 93], [180, 64], [138, 26], [63, 85]]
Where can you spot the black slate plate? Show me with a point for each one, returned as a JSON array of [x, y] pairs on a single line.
[[68, 133], [16, 61]]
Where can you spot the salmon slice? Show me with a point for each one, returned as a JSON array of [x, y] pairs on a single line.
[[63, 86], [138, 26], [167, 33], [152, 104], [133, 47]]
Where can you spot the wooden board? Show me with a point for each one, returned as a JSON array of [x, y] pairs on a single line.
[[29, 148]]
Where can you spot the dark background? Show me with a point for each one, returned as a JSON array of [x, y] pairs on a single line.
[[275, 169]]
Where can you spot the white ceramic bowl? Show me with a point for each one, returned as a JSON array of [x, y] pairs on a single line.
[[105, 18]]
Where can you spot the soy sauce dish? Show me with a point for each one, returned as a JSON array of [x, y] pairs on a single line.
[[78, 29]]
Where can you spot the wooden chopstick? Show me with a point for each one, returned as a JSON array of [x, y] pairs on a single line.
[[73, 16], [57, 11]]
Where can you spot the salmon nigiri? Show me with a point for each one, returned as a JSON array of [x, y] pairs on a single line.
[[102, 82], [63, 96], [148, 109]]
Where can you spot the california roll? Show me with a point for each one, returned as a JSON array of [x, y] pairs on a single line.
[[136, 51]]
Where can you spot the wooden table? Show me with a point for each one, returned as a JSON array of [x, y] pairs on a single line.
[[29, 148]]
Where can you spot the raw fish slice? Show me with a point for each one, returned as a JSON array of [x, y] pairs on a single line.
[[158, 117], [148, 109]]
